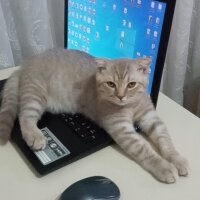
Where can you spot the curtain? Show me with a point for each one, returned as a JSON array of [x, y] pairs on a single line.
[[181, 77], [177, 54], [28, 27]]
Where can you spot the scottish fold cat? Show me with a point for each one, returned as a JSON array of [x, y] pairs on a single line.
[[110, 92]]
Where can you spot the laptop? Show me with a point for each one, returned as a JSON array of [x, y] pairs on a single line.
[[108, 29]]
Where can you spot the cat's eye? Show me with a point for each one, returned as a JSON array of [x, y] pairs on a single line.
[[131, 84], [111, 84]]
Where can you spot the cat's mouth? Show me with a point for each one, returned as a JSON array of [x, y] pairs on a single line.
[[116, 101], [119, 102]]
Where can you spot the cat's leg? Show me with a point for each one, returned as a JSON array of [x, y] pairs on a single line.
[[157, 133], [32, 106], [122, 131]]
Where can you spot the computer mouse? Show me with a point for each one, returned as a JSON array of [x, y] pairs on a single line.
[[92, 188]]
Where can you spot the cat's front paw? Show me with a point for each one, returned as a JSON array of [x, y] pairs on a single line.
[[36, 141], [165, 172], [181, 164]]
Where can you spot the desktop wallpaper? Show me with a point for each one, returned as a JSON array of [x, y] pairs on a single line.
[[116, 28]]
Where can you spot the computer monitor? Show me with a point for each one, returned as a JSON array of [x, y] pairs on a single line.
[[121, 29]]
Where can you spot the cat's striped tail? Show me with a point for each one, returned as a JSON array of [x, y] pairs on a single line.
[[9, 107]]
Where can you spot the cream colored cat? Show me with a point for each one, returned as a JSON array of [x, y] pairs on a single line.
[[111, 92]]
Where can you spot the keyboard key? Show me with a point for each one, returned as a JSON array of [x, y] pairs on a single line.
[[87, 130]]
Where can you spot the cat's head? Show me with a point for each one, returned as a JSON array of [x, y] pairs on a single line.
[[119, 81]]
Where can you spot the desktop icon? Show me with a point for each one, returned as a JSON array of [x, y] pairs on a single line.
[[139, 2], [107, 28], [153, 46], [122, 34], [159, 6], [125, 10], [155, 34], [152, 4], [124, 22], [157, 20], [150, 18], [148, 31], [114, 6], [129, 25], [93, 22]]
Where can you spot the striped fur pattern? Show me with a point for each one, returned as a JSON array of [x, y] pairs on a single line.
[[111, 92], [9, 107]]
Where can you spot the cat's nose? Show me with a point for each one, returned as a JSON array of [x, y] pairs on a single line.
[[120, 97]]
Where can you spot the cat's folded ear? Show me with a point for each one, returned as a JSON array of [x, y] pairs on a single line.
[[144, 65], [101, 64]]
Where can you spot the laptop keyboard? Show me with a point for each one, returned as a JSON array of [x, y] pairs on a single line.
[[86, 129]]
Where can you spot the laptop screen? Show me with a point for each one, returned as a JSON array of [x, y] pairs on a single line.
[[116, 28]]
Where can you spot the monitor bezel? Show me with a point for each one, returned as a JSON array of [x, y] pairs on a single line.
[[162, 50]]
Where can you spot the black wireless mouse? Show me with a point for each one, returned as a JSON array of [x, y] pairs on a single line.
[[92, 188]]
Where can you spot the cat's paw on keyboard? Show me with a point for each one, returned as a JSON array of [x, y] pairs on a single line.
[[36, 141]]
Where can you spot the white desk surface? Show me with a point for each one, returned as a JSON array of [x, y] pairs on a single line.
[[18, 182]]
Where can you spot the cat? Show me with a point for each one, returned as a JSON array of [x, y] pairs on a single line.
[[113, 93]]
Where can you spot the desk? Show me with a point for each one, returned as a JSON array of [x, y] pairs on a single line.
[[18, 182]]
